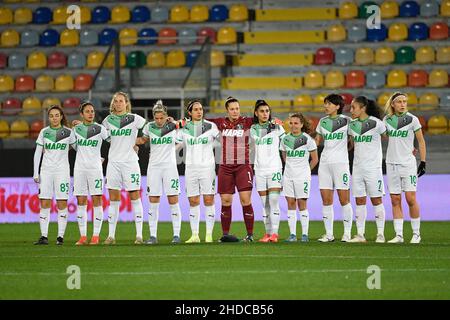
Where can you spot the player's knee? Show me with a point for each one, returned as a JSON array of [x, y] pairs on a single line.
[[410, 199], [396, 200], [172, 199], [376, 201], [208, 200], [194, 201], [97, 201], [361, 201]]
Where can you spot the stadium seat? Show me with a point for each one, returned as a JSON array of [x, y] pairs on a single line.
[[396, 79], [76, 60], [136, 59], [398, 32], [60, 15], [383, 98], [31, 106], [364, 56], [409, 9], [425, 55], [348, 97], [29, 38], [344, 56], [160, 14], [6, 83], [44, 83], [375, 79], [64, 83], [156, 59], [140, 14], [4, 129], [377, 35], [206, 32], [226, 35], [418, 31], [3, 60], [324, 56], [355, 79], [49, 38], [445, 101], [9, 38], [104, 83], [83, 82], [100, 14], [384, 56], [217, 58], [191, 57], [429, 100], [336, 33], [348, 10], [176, 59], [429, 8], [37, 60], [423, 122], [179, 14], [187, 36], [50, 101], [363, 13], [110, 60], [313, 79], [150, 36], [438, 78], [167, 36], [120, 14], [304, 101], [85, 15], [389, 9], [42, 15], [11, 106], [437, 124], [6, 16], [35, 128], [70, 105], [417, 78], [318, 101], [219, 13], [128, 36], [334, 79], [88, 37], [24, 83], [443, 55], [356, 33], [412, 99], [405, 55], [445, 8], [17, 60], [107, 36], [439, 31], [238, 13], [313, 123], [23, 16], [19, 129], [69, 38]]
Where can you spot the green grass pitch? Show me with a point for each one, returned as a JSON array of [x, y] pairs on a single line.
[[224, 271]]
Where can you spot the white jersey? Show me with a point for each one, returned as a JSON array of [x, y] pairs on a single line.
[[162, 144], [123, 131], [56, 144], [198, 139], [367, 138], [334, 133], [266, 139], [89, 142], [401, 130], [297, 153]]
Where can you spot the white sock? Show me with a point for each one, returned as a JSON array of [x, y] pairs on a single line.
[[266, 214], [98, 220], [62, 222], [274, 211], [113, 217], [82, 220], [210, 218], [304, 220], [194, 219], [138, 218], [360, 218], [415, 225], [347, 214], [380, 216], [328, 219], [398, 227], [292, 221], [44, 219], [153, 215], [176, 219]]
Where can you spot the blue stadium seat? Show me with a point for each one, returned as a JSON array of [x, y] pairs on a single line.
[[356, 33], [140, 14], [147, 32], [343, 56], [29, 38], [187, 36], [88, 37], [377, 35], [76, 60], [49, 38], [429, 8], [17, 60], [409, 9], [191, 57], [375, 79], [160, 14], [107, 36], [100, 14], [218, 13], [42, 15], [418, 31]]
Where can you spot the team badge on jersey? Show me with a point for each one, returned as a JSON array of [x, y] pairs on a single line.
[[333, 125], [363, 127], [57, 135], [88, 131], [120, 122]]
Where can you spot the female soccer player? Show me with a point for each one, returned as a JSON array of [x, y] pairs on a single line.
[[198, 137], [297, 147], [162, 172], [54, 177], [123, 162], [88, 172], [334, 172], [266, 136], [402, 127], [366, 131]]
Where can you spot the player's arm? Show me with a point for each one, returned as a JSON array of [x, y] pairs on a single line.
[[141, 140], [314, 159], [318, 139], [283, 156], [351, 143], [36, 162], [422, 152]]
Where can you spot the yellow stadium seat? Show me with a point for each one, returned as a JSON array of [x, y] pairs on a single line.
[[425, 55], [262, 83], [437, 124], [44, 83], [9, 38], [6, 16], [156, 59], [238, 13], [4, 129], [398, 32], [31, 106], [313, 79], [64, 83], [217, 58], [94, 59], [429, 100], [176, 59], [69, 38], [389, 9], [443, 55], [304, 101], [60, 15], [226, 35], [364, 56], [6, 83], [318, 101], [412, 100], [19, 129], [445, 8], [179, 13], [296, 14], [37, 60], [396, 79], [383, 98], [85, 15], [336, 33], [120, 14], [261, 37], [128, 36], [334, 79], [348, 10], [384, 56], [438, 78], [199, 13], [50, 102], [273, 59], [109, 63], [23, 16]]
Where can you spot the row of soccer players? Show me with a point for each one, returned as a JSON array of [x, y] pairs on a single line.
[[198, 135]]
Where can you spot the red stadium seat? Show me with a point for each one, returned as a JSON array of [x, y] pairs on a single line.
[[439, 31], [3, 60], [11, 106], [348, 97], [35, 127], [355, 79], [418, 78], [83, 82], [24, 83], [165, 35], [70, 105], [324, 56], [423, 122], [56, 60], [206, 32], [313, 121]]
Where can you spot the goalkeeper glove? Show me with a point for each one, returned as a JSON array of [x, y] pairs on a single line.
[[421, 169]]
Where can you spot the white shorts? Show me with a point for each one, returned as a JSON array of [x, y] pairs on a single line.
[[367, 182], [268, 179], [163, 178], [54, 183], [123, 174], [87, 182], [200, 181], [334, 176], [297, 188], [401, 178]]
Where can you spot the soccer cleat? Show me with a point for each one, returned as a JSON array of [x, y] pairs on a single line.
[[95, 240], [248, 238], [274, 237], [83, 241], [208, 238], [193, 239], [152, 240], [380, 239], [59, 241], [345, 238], [292, 238], [42, 240], [176, 239], [305, 238], [326, 238], [358, 239], [139, 240], [228, 238], [397, 239], [266, 238], [109, 241], [415, 238]]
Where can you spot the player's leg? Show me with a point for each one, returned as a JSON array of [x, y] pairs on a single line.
[[208, 189], [261, 187], [62, 187], [395, 190], [98, 219], [341, 179], [114, 185], [304, 218], [409, 186], [131, 175], [274, 185], [375, 190], [136, 204], [244, 185], [171, 185], [289, 192], [176, 217], [326, 192], [360, 194], [193, 194], [226, 187], [45, 199], [80, 190], [154, 192]]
